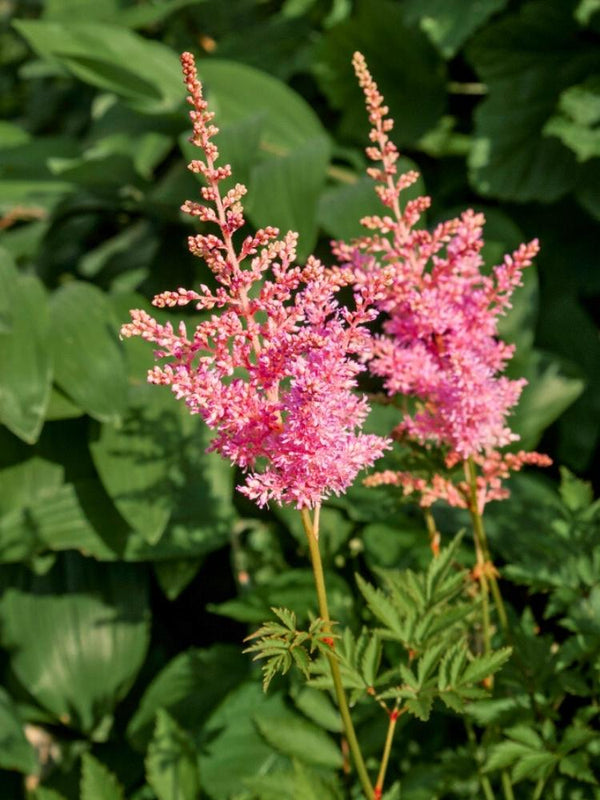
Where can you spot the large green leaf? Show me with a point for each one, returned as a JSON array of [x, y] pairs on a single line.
[[98, 782], [90, 366], [145, 73], [171, 764], [409, 72], [135, 16], [189, 688], [553, 385], [449, 23], [25, 358], [233, 749], [576, 124], [24, 485], [238, 92], [284, 191], [298, 738], [77, 638], [526, 60], [15, 751]]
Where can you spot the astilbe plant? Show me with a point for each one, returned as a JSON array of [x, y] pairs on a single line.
[[272, 368]]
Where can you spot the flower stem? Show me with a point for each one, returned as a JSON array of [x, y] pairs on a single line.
[[483, 778], [482, 542], [479, 554], [387, 749], [312, 534], [507, 786]]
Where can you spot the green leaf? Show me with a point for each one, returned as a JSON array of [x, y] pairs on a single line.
[[284, 191], [409, 72], [171, 766], [576, 123], [234, 750], [449, 23], [98, 782], [25, 357], [238, 92], [90, 367], [189, 688], [525, 60], [486, 665], [15, 751], [146, 74], [77, 638], [299, 739], [301, 784], [342, 207], [174, 575], [553, 384]]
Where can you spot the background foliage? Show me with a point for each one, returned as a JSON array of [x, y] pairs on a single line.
[[130, 568]]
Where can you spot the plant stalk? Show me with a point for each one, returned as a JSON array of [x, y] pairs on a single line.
[[387, 749], [507, 786], [312, 534]]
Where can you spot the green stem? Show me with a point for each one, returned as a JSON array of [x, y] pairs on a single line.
[[483, 779], [482, 542], [507, 786], [312, 534], [434, 534], [387, 749], [539, 788]]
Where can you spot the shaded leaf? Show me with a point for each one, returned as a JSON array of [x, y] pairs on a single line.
[[15, 751], [171, 766], [98, 782]]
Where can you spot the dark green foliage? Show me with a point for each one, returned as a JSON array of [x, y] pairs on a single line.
[[118, 531]]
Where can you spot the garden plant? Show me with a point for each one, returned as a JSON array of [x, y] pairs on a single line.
[[352, 556]]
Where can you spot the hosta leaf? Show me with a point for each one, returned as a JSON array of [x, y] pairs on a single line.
[[89, 363], [25, 356], [77, 638], [145, 73], [98, 782], [171, 764]]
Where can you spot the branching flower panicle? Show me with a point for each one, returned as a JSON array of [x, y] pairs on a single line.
[[440, 341], [273, 372]]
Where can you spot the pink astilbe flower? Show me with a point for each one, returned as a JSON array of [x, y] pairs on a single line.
[[272, 373], [440, 343]]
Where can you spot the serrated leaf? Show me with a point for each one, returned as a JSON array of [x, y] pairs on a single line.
[[533, 765], [485, 665], [370, 660], [171, 766], [505, 754], [420, 706], [380, 606], [98, 782]]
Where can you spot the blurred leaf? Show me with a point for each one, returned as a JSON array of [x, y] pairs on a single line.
[[145, 73], [342, 207], [97, 782], [15, 751], [171, 761], [238, 92], [301, 784], [553, 385], [298, 738], [526, 59], [25, 359], [189, 688], [284, 191], [136, 16], [61, 407], [77, 638], [576, 123], [174, 575], [90, 367], [408, 71], [449, 23], [233, 749]]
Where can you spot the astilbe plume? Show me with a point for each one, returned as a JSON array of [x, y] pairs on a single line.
[[440, 340], [273, 372]]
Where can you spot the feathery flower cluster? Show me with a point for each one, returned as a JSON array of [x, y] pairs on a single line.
[[440, 343], [272, 373]]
